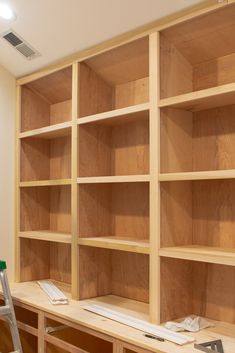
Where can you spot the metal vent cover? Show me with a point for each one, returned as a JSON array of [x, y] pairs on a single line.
[[18, 43]]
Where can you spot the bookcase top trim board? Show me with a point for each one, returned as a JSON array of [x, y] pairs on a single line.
[[125, 174]]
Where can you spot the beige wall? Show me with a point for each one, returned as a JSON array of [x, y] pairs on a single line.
[[7, 135]]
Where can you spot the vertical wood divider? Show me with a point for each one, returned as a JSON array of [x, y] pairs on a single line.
[[154, 144], [17, 183], [74, 186], [41, 332]]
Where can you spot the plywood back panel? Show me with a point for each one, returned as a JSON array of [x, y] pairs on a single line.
[[176, 72], [176, 289], [176, 213], [213, 213], [34, 260], [94, 272], [123, 64], [132, 93], [60, 262], [34, 209], [130, 275], [34, 159], [122, 149], [96, 96], [130, 210], [120, 210], [56, 87], [94, 150], [94, 210], [60, 158], [60, 112], [60, 209], [214, 72], [213, 294], [176, 146], [214, 139], [130, 148], [205, 37], [35, 110]]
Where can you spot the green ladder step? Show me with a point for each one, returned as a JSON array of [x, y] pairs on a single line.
[[3, 265]]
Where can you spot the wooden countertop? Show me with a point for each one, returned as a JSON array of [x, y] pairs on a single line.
[[29, 293]]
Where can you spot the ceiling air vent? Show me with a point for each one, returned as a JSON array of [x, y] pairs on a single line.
[[20, 45]]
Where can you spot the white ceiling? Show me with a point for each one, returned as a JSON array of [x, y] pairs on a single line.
[[58, 28]]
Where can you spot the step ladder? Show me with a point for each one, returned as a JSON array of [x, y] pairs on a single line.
[[8, 311]]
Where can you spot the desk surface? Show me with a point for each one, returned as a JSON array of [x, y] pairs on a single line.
[[30, 293]]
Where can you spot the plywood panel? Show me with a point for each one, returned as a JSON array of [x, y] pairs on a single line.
[[60, 112], [176, 72], [121, 149], [176, 146], [132, 93], [56, 87], [60, 209], [35, 110], [94, 272], [176, 289], [94, 150], [213, 294], [120, 210], [60, 262], [34, 159], [34, 260], [130, 210], [130, 148], [206, 37], [176, 213], [130, 275], [96, 96], [94, 211], [126, 63], [60, 158], [34, 209], [214, 139], [213, 213]]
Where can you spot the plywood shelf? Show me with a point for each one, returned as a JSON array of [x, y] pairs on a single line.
[[56, 182], [58, 237], [208, 254], [49, 132], [117, 243], [203, 175], [135, 112], [114, 179], [203, 99]]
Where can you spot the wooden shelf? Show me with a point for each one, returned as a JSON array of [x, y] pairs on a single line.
[[49, 132], [203, 99], [136, 112], [114, 243], [56, 182], [47, 236], [114, 179], [213, 255], [204, 175]]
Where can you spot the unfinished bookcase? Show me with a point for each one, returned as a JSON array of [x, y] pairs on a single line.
[[125, 173]]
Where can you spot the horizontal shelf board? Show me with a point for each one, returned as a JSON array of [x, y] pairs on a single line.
[[204, 175], [25, 184], [203, 99], [47, 236], [136, 112], [114, 179], [208, 254], [49, 132], [117, 243]]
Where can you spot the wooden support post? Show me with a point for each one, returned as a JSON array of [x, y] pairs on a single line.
[[74, 201], [154, 184]]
